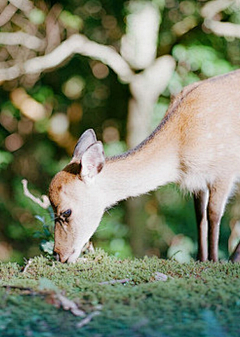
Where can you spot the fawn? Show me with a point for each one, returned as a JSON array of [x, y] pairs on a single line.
[[196, 145]]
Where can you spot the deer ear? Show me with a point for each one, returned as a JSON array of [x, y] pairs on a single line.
[[87, 139], [92, 162]]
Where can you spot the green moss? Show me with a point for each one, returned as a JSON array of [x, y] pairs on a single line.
[[198, 299]]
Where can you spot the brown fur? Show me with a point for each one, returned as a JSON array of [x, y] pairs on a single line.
[[197, 145]]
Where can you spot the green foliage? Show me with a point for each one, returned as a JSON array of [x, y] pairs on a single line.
[[46, 234], [201, 58], [113, 235], [37, 16], [70, 20], [5, 159]]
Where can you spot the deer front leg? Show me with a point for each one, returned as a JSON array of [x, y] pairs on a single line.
[[218, 196], [200, 204]]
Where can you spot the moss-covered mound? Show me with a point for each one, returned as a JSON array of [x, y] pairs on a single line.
[[103, 296]]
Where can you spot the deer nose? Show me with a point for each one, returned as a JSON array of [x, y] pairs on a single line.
[[56, 255], [60, 257]]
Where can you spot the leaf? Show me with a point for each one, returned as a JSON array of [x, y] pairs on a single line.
[[47, 246], [5, 158], [52, 215], [46, 231], [41, 219], [38, 234]]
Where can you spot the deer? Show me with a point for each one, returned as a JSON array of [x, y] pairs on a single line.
[[196, 145]]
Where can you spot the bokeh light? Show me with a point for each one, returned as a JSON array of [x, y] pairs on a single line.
[[73, 87]]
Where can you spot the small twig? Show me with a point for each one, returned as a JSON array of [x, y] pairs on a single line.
[[44, 203], [57, 299], [27, 266], [87, 319], [7, 14], [211, 19], [25, 5], [68, 304], [8, 286], [125, 280]]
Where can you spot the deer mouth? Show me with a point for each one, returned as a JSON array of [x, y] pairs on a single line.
[[73, 257], [67, 258]]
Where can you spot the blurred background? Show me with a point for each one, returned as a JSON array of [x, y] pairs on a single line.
[[113, 66]]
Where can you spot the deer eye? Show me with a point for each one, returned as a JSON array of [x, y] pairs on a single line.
[[67, 213]]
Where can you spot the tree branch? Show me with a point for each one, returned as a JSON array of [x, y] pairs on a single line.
[[211, 8], [76, 43], [226, 29], [209, 12], [24, 5], [7, 14], [45, 203], [24, 39]]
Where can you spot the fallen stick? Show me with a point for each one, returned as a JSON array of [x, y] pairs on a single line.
[[125, 280], [87, 319]]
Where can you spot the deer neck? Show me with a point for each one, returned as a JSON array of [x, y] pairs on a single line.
[[152, 164]]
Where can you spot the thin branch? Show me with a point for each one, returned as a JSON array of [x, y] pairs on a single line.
[[53, 31], [9, 286], [125, 280], [21, 38], [68, 304], [27, 265], [44, 203], [76, 43], [211, 8], [58, 300], [226, 29], [7, 14], [86, 320], [105, 54], [209, 12], [23, 5]]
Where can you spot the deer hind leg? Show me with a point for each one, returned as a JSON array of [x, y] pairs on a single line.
[[235, 257], [200, 204], [218, 195]]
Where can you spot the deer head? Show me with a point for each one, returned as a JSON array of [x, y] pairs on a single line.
[[76, 198]]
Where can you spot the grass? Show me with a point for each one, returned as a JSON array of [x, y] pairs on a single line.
[[139, 298]]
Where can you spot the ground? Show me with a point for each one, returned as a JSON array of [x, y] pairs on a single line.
[[103, 296]]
